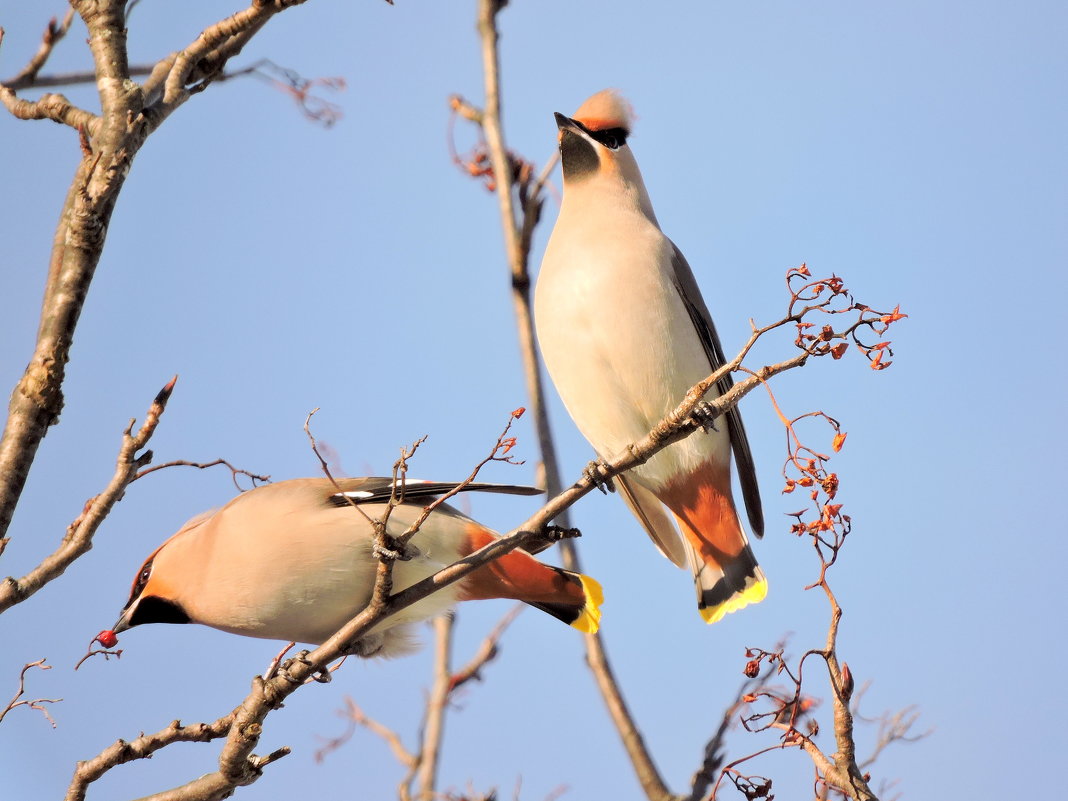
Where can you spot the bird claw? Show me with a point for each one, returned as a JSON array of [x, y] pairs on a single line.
[[557, 533], [597, 472], [272, 669], [283, 671], [548, 537], [704, 414]]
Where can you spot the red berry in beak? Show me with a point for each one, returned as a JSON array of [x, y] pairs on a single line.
[[107, 638]]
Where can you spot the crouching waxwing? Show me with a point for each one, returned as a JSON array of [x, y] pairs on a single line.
[[625, 334], [293, 561]]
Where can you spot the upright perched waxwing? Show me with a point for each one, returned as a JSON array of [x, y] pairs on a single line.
[[625, 333], [293, 561]]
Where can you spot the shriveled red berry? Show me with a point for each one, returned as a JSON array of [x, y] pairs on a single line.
[[107, 638]]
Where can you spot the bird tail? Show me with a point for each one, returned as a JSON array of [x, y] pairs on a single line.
[[725, 571], [571, 597], [583, 612], [727, 587]]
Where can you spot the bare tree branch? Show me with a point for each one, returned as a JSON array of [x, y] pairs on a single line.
[[129, 114], [517, 238], [53, 107], [217, 44], [282, 79], [426, 767], [37, 399], [79, 537], [141, 747]]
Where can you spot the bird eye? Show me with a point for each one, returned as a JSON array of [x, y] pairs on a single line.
[[140, 582], [612, 138], [142, 578]]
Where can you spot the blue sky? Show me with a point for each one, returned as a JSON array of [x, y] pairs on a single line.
[[916, 149]]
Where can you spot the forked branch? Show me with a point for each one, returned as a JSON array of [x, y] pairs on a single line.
[[31, 703], [109, 141], [79, 537]]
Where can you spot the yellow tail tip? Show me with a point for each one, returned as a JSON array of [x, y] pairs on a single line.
[[590, 620], [753, 594]]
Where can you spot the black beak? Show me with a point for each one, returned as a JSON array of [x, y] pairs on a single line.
[[566, 123]]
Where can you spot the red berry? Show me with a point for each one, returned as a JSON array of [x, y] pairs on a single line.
[[107, 638]]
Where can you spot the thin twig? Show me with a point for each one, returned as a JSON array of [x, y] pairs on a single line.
[[805, 469], [75, 78], [893, 727], [106, 638], [498, 453], [53, 33], [486, 653], [35, 703], [713, 762], [234, 471], [356, 718]]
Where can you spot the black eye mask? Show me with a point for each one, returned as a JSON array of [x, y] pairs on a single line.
[[612, 138]]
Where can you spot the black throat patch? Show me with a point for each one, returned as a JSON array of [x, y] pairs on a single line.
[[577, 155], [157, 610]]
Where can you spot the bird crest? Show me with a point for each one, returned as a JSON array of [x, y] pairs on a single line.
[[604, 110]]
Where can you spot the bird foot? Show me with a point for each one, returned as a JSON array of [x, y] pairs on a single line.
[[704, 414], [391, 550], [283, 671], [557, 533], [597, 472], [549, 536], [322, 676]]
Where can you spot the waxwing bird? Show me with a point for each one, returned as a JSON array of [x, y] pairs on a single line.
[[625, 333], [293, 561]]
